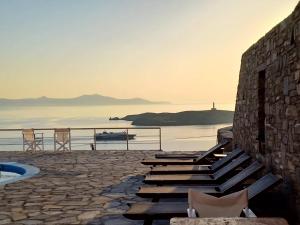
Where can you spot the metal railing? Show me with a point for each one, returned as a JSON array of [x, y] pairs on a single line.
[[146, 136]]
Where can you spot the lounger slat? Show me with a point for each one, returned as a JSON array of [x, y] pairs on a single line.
[[211, 151], [232, 155], [149, 210], [198, 154], [181, 169], [240, 177], [197, 169], [263, 184], [173, 191], [179, 156], [201, 159], [180, 178], [168, 162], [231, 166]]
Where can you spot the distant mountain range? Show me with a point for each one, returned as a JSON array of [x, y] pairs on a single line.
[[78, 101]]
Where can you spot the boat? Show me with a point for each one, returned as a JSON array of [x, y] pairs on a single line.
[[114, 136]]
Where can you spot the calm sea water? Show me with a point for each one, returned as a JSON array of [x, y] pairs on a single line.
[[173, 137]]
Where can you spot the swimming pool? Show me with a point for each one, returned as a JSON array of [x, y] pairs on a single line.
[[11, 172]]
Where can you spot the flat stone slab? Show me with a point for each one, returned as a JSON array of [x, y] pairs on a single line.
[[80, 187]]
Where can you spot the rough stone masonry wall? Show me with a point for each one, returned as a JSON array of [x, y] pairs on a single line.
[[278, 54]]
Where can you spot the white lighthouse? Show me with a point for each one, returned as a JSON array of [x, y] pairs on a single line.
[[213, 108]]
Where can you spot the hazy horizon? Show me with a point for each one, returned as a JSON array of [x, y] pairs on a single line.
[[172, 50]]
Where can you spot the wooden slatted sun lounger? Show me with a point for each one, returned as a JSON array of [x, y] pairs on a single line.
[[149, 211], [204, 158], [214, 178], [158, 192], [215, 149], [197, 169]]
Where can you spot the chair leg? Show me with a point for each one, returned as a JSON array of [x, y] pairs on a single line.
[[40, 145], [30, 146], [70, 141]]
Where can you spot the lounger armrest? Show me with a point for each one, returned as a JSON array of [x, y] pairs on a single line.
[[249, 213], [191, 213]]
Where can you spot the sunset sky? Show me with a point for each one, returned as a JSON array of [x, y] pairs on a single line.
[[183, 51]]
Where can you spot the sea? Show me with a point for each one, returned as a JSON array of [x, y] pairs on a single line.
[[173, 138]]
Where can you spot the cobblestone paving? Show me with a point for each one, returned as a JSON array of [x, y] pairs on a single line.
[[82, 187]]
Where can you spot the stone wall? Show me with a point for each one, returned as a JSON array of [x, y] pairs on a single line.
[[267, 113], [225, 133]]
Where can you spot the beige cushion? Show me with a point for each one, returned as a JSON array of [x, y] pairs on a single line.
[[209, 206], [28, 134], [62, 135]]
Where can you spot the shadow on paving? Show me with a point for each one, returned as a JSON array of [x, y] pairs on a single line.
[[119, 196]]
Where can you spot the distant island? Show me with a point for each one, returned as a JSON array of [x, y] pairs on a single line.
[[206, 117], [78, 101]]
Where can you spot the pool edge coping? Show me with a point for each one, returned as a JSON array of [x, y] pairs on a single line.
[[30, 171]]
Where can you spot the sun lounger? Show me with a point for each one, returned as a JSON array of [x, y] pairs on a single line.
[[149, 211], [214, 149], [204, 158], [214, 178], [158, 192], [192, 169]]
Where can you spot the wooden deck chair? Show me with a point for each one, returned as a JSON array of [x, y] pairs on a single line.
[[214, 178], [195, 169], [32, 141], [215, 148], [149, 211], [62, 139], [158, 192], [204, 158]]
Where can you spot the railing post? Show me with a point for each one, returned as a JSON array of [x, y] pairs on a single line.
[[127, 139], [160, 139], [95, 141], [70, 145]]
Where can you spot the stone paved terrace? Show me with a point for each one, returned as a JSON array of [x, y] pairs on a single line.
[[81, 187]]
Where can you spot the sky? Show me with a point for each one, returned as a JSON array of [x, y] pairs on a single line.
[[183, 51]]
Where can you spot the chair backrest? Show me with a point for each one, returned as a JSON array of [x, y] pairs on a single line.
[[62, 135], [231, 166], [206, 205], [263, 184], [212, 151], [28, 134], [230, 156], [240, 177]]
